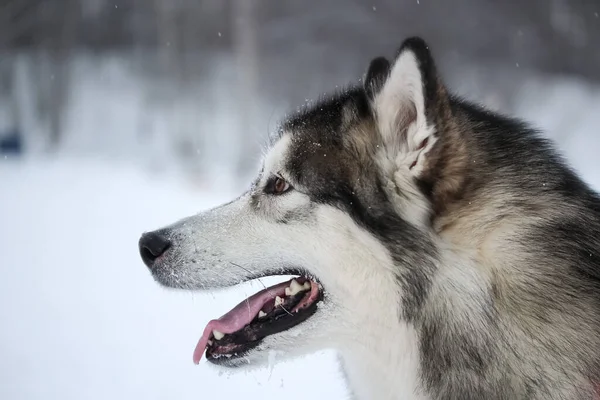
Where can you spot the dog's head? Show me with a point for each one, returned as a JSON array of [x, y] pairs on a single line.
[[343, 201]]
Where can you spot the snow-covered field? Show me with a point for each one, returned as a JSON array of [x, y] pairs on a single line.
[[80, 316]]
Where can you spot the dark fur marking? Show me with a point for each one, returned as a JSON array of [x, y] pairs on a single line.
[[296, 215], [376, 76]]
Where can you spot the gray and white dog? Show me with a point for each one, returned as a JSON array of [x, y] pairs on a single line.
[[445, 251]]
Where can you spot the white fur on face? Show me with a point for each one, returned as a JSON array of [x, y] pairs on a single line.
[[355, 269]]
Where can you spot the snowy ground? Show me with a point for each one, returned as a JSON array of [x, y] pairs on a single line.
[[82, 318]]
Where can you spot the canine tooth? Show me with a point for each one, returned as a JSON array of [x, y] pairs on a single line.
[[288, 291], [218, 335], [210, 342], [306, 285], [295, 287], [278, 301], [262, 314]]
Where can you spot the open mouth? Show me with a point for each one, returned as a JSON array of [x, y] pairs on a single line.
[[270, 311]]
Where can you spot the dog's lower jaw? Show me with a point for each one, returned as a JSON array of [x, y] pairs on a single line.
[[384, 366]]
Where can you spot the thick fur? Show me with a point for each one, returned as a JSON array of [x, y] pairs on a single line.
[[459, 254]]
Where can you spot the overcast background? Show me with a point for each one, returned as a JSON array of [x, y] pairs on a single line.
[[120, 116]]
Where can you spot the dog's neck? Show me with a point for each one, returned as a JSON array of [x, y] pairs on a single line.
[[382, 363], [378, 351]]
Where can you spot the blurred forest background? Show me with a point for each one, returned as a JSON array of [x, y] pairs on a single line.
[[119, 117], [196, 85]]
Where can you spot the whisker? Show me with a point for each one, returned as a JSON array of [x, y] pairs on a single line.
[[247, 302], [248, 271], [261, 282], [283, 308]]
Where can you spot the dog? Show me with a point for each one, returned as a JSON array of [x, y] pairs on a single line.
[[443, 250]]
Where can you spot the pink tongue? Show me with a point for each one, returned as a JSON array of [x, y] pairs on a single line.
[[240, 316]]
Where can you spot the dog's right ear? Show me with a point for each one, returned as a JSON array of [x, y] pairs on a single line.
[[411, 109]]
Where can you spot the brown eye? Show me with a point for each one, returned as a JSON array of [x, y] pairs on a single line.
[[277, 185], [280, 186]]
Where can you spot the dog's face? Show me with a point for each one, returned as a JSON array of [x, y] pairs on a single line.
[[341, 201]]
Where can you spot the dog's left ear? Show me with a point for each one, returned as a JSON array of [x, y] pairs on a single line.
[[408, 101]]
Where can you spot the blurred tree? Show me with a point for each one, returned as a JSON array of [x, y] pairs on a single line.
[[246, 49], [283, 51]]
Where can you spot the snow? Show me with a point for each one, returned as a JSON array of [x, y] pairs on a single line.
[[81, 316]]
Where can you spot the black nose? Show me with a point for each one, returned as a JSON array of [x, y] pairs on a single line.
[[153, 245]]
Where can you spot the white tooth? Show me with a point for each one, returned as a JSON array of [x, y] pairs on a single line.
[[295, 287], [218, 335], [210, 342], [262, 314], [288, 291], [306, 285], [278, 301]]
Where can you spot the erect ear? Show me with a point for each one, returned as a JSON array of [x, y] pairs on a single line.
[[408, 101]]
